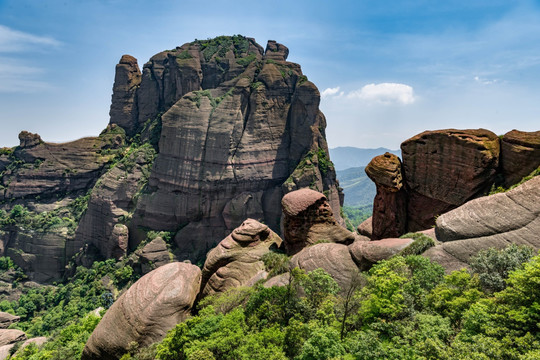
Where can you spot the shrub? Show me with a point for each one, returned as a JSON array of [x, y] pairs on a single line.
[[421, 242]]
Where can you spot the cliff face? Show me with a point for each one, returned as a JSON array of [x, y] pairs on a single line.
[[240, 126], [207, 135]]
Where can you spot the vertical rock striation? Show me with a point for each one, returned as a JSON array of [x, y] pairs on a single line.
[[124, 110]]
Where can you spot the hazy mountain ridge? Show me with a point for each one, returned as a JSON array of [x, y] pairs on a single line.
[[345, 157]]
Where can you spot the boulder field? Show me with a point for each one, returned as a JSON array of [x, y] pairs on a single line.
[[238, 259]]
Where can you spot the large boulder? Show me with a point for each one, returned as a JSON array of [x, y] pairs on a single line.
[[6, 319], [146, 311], [367, 253], [333, 258], [237, 260], [308, 219], [520, 155], [444, 169], [11, 336], [495, 221], [390, 205]]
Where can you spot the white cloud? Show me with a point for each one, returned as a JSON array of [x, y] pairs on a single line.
[[330, 92], [17, 41], [385, 93], [482, 81]]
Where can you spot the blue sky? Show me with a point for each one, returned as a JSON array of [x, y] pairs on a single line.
[[387, 70]]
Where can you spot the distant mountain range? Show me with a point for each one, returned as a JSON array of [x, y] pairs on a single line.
[[349, 157], [358, 188]]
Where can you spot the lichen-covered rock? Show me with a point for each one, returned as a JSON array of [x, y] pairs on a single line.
[[333, 258], [492, 221], [520, 155], [390, 205], [10, 336], [6, 319], [124, 111], [143, 314], [308, 219], [367, 253], [236, 123], [237, 259], [443, 169]]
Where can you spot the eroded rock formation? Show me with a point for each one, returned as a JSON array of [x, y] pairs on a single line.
[[520, 155], [308, 219], [390, 205], [146, 311], [237, 260]]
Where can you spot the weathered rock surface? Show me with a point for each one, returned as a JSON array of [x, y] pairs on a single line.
[[237, 123], [10, 336], [144, 314], [124, 111], [520, 155], [443, 169], [367, 253], [7, 319], [390, 205], [492, 221], [237, 260], [335, 259], [154, 255], [366, 227], [111, 200], [308, 219]]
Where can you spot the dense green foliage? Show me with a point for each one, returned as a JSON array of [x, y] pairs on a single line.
[[354, 216], [420, 244], [403, 308]]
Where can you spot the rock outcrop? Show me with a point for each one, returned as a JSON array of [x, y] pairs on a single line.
[[143, 314], [520, 155], [335, 259], [124, 111], [7, 319], [237, 260], [10, 336], [238, 127], [443, 169], [390, 205], [153, 255], [308, 219], [492, 221], [366, 253]]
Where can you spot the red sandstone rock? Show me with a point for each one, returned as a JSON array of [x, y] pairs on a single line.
[[124, 111], [520, 155], [367, 253], [446, 168], [308, 220], [237, 260], [146, 311]]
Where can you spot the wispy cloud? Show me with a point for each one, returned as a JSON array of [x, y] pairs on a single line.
[[383, 94], [16, 41], [17, 74]]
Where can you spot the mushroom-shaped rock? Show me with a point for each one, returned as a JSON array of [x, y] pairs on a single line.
[[520, 155], [308, 220], [495, 221], [10, 336], [237, 260], [7, 319], [146, 311], [444, 169], [390, 205], [335, 259], [367, 253]]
